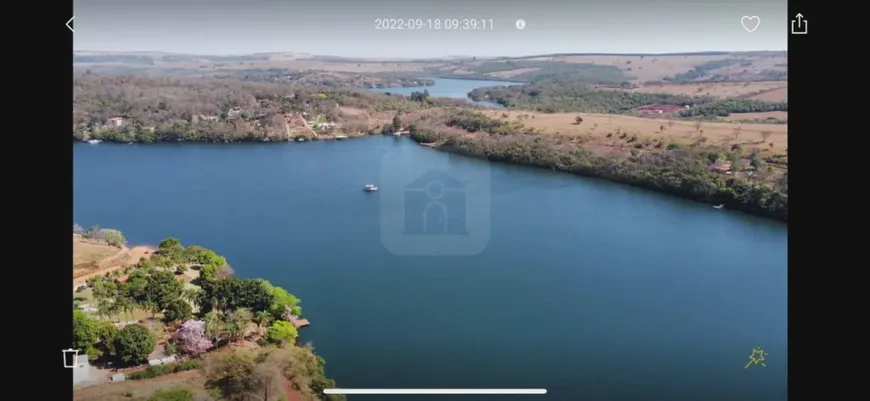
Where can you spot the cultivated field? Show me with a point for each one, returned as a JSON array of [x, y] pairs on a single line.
[[775, 91], [596, 127]]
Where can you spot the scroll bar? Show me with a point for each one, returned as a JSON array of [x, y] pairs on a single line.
[[435, 391]]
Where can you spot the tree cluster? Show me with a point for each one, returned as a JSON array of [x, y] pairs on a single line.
[[98, 338], [249, 375], [549, 97], [724, 108], [109, 236]]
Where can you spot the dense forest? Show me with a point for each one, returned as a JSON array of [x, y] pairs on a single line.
[[674, 169], [549, 97], [218, 110], [724, 108]]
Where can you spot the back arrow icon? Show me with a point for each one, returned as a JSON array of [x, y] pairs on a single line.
[[70, 22]]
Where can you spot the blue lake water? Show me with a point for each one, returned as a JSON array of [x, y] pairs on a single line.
[[593, 290], [451, 88]]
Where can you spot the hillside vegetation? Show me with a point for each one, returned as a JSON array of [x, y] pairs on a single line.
[[674, 168], [171, 109], [550, 97]]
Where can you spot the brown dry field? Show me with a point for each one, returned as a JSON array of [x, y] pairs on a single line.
[[777, 95], [719, 89], [780, 115], [657, 67], [597, 126], [86, 253], [190, 380], [300, 64], [92, 259]]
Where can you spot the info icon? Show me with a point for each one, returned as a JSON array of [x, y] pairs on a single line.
[[434, 204]]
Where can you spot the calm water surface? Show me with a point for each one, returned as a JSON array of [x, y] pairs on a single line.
[[593, 290], [452, 88]]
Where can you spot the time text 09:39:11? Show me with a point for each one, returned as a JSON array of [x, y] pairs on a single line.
[[457, 24]]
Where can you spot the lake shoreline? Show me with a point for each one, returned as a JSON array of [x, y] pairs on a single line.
[[750, 209]]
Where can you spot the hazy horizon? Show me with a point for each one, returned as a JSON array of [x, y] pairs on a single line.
[[345, 28], [414, 58]]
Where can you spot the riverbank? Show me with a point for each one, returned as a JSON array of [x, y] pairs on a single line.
[[674, 169]]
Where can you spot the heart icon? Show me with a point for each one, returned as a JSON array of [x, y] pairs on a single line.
[[750, 24]]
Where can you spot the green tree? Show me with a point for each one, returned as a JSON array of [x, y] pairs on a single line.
[[263, 319], [397, 123], [215, 327], [176, 310], [281, 300], [281, 331], [105, 293], [236, 321], [230, 293], [162, 288], [734, 159], [134, 343], [91, 336], [171, 248], [755, 161], [169, 243], [113, 237], [193, 295]]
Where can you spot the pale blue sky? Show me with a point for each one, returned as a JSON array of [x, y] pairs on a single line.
[[346, 27]]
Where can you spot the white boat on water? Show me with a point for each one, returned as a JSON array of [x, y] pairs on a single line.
[[370, 188], [718, 206], [341, 137], [94, 141]]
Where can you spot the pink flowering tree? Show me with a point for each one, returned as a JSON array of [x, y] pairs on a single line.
[[192, 338]]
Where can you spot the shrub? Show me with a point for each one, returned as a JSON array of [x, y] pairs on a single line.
[[162, 370], [177, 394]]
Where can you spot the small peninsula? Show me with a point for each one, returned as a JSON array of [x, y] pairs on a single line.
[[177, 325]]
